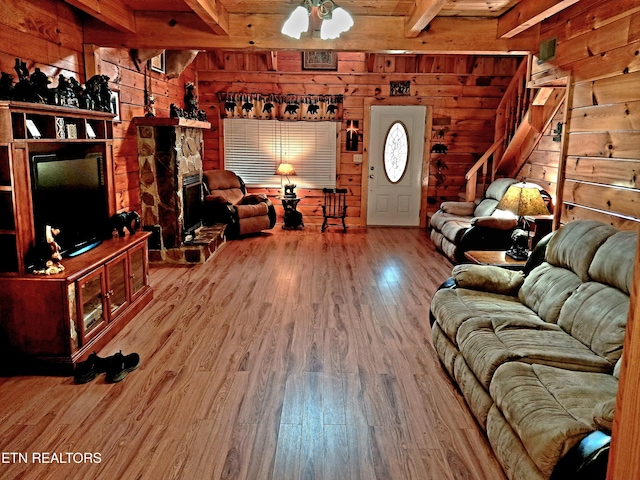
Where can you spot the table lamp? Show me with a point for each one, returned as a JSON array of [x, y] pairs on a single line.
[[522, 199], [287, 169]]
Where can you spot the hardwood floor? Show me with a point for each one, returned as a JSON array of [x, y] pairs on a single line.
[[292, 355]]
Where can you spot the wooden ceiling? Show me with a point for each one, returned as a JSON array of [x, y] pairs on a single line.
[[393, 26]]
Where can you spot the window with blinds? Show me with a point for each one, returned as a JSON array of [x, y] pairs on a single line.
[[254, 148]]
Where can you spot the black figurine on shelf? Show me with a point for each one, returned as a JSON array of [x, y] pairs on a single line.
[[190, 100], [65, 93], [175, 111], [98, 93], [24, 90], [40, 82], [6, 86]]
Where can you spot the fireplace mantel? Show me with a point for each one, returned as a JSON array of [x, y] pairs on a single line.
[[170, 122]]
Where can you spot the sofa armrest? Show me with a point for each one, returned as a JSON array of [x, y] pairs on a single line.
[[603, 414], [497, 223], [463, 209], [488, 278], [254, 199]]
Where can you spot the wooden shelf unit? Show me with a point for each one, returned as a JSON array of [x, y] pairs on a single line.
[[62, 318], [17, 144]]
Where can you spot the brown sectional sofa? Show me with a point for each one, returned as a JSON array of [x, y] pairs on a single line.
[[537, 357]]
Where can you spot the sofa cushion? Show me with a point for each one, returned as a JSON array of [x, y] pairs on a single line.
[[488, 278], [596, 314], [230, 196], [454, 306], [488, 342], [547, 288], [574, 245], [549, 409], [221, 179], [486, 207], [614, 260]]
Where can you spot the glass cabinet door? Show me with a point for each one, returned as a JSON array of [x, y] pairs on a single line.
[[117, 294], [138, 270], [92, 312]]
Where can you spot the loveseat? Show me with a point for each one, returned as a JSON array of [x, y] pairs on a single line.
[[226, 201], [537, 357], [460, 226]]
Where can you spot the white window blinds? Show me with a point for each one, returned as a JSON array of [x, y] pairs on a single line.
[[254, 148]]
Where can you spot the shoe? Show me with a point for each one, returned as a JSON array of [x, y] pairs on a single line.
[[90, 368], [120, 365]]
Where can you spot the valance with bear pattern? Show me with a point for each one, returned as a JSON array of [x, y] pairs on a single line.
[[281, 107]]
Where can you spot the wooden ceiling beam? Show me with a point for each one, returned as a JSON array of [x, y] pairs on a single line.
[[422, 12], [112, 12], [529, 13], [213, 13], [186, 31]]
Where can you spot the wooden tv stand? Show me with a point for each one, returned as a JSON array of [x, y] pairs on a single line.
[[61, 318]]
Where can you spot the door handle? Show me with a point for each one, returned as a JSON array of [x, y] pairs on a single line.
[[371, 176]]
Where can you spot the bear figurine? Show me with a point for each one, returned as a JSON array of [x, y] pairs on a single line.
[[128, 220]]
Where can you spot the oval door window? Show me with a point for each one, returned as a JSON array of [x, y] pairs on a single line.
[[396, 152]]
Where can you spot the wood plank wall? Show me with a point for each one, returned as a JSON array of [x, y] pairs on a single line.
[[542, 165], [48, 34], [598, 43], [463, 90]]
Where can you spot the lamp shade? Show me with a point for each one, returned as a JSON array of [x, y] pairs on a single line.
[[339, 22], [297, 23], [523, 199], [285, 169]]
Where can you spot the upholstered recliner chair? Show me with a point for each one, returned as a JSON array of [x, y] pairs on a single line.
[[461, 226], [226, 201]]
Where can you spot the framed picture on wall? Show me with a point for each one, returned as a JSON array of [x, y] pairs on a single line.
[[158, 63], [320, 60], [115, 105]]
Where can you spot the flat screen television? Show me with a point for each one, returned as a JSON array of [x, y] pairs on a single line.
[[70, 194]]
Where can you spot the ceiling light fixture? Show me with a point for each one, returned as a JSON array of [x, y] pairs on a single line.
[[335, 19]]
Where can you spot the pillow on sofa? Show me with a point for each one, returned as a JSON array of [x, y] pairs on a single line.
[[488, 278]]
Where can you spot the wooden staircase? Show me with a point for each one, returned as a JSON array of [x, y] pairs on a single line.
[[521, 120]]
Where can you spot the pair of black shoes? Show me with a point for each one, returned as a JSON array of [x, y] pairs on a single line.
[[116, 367]]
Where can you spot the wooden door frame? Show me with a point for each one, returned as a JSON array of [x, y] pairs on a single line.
[[395, 102]]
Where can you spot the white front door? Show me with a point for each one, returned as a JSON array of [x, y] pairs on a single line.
[[396, 148]]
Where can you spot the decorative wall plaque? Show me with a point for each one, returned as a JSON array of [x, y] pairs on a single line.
[[400, 89], [320, 60]]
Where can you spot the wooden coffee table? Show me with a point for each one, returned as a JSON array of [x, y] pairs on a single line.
[[492, 257]]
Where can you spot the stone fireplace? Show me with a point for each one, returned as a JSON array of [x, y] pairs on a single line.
[[170, 161]]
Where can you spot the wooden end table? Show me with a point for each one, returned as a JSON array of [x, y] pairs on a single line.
[[498, 258]]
